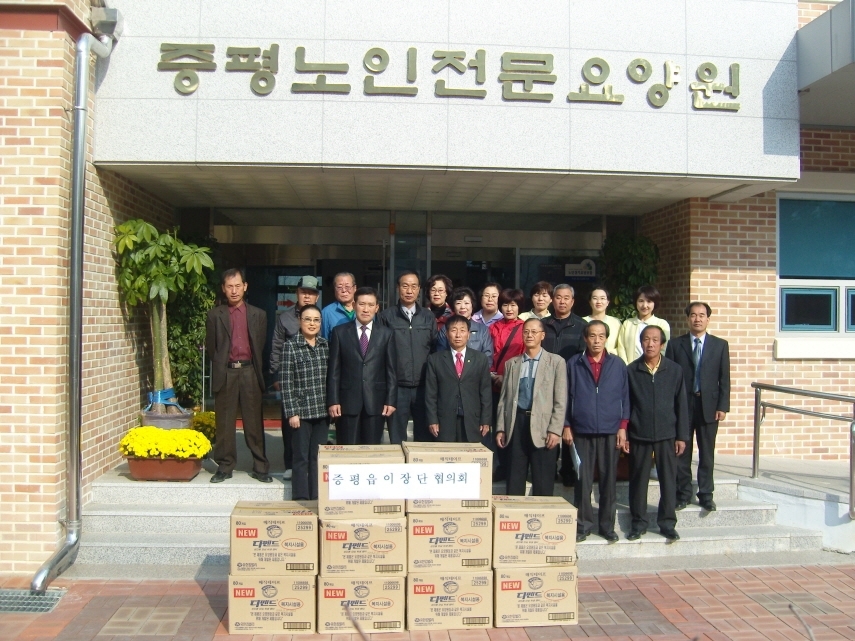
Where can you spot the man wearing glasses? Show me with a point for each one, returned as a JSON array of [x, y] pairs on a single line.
[[341, 311], [414, 330]]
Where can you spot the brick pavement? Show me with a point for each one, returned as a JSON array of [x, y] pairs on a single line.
[[746, 604]]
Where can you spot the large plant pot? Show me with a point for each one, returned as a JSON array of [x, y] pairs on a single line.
[[167, 421], [166, 469]]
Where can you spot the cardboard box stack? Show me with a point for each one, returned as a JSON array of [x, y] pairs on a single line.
[[274, 563], [363, 560], [449, 547], [534, 560]]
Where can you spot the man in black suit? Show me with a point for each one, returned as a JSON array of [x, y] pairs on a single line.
[[234, 339], [362, 383], [705, 361], [457, 388]]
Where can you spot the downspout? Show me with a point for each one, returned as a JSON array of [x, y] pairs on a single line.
[[65, 555]]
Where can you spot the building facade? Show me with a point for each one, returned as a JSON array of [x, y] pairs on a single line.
[[471, 140]]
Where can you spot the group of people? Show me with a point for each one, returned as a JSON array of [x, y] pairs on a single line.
[[464, 369]]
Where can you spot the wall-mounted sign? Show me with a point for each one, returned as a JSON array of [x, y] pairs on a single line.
[[525, 77], [586, 270]]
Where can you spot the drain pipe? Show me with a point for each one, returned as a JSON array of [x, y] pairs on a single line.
[[65, 555]]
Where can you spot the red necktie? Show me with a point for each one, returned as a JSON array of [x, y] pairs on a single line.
[[459, 364]]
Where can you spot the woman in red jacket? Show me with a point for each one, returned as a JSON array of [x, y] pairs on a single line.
[[507, 333]]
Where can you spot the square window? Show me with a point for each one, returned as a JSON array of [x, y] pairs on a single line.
[[850, 310], [809, 310]]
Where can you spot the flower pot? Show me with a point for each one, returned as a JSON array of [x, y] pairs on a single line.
[[167, 421], [166, 469]]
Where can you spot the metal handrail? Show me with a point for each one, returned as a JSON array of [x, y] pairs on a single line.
[[760, 415]]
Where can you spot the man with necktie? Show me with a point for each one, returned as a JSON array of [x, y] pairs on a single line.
[[705, 361], [362, 382], [457, 388]]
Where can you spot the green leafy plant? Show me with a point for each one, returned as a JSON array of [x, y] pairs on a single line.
[[154, 267], [628, 262]]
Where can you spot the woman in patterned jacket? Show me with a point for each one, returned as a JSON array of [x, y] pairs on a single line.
[[303, 381]]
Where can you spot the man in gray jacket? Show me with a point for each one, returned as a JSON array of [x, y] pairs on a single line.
[[414, 330], [658, 427]]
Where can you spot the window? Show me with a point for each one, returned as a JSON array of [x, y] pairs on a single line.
[[811, 310]]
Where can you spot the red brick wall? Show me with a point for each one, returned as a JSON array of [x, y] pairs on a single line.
[[809, 11], [827, 149], [669, 228]]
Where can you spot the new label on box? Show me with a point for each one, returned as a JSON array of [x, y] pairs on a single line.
[[364, 548], [271, 604], [533, 531], [536, 596], [449, 542], [377, 603], [356, 508], [449, 601], [274, 537], [434, 453]]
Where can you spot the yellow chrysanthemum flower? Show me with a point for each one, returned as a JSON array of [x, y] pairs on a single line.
[[154, 442]]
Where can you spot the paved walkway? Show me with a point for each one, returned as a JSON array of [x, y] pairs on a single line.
[[745, 604]]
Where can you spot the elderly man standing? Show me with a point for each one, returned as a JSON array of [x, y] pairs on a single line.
[[530, 417], [658, 426], [287, 326], [341, 310], [705, 361], [597, 418], [414, 328], [234, 339]]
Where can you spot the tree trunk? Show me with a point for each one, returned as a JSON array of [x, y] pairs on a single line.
[[160, 349]]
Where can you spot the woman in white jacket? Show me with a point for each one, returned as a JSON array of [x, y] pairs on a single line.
[[646, 301]]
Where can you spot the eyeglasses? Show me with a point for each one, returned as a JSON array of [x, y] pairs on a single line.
[[437, 290], [490, 297], [532, 332], [343, 288], [311, 321]]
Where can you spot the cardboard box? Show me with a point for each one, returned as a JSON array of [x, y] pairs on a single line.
[[533, 531], [453, 453], [271, 604], [274, 538], [376, 603], [449, 542], [449, 600], [375, 547], [536, 596], [350, 455]]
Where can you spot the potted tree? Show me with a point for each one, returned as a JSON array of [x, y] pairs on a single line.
[[152, 267]]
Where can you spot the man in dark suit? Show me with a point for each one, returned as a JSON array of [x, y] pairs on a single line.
[[457, 388], [362, 382], [234, 339], [705, 361]]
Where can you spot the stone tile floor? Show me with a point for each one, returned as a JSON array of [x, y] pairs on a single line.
[[744, 604]]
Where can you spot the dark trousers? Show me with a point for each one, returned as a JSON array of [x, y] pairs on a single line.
[[596, 452], [305, 440], [359, 429], [411, 404], [454, 434], [240, 389], [522, 455], [640, 455], [568, 472], [705, 433], [286, 439], [500, 455]]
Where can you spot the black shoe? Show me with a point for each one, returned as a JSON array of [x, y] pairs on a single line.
[[671, 535], [681, 505], [568, 481], [581, 536], [634, 535], [219, 477], [261, 476], [708, 505], [611, 537]]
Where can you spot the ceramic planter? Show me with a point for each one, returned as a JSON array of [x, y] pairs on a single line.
[[167, 469]]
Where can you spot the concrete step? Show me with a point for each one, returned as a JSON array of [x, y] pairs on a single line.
[[704, 541], [725, 489], [119, 488], [110, 517], [122, 548]]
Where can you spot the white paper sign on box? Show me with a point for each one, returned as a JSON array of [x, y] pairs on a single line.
[[405, 481]]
